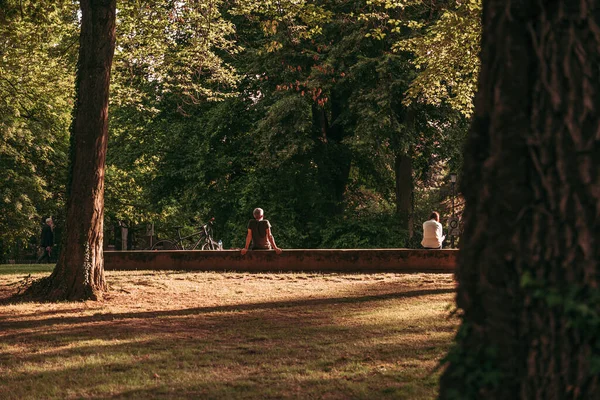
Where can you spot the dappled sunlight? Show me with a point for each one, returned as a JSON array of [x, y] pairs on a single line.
[[190, 335], [78, 346], [65, 363], [133, 291]]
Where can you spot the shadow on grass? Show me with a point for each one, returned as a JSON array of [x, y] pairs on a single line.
[[217, 309], [266, 354], [357, 346]]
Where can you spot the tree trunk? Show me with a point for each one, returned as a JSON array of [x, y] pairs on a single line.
[[404, 187], [79, 273], [333, 158], [403, 171], [528, 270]]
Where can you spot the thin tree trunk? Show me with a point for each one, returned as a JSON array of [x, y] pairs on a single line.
[[79, 273], [404, 187], [403, 171], [334, 158], [528, 270]]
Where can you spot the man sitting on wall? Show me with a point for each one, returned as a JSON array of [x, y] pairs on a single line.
[[259, 233], [432, 232]]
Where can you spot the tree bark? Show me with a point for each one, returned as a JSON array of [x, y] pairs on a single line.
[[403, 171], [79, 273], [333, 157], [404, 187], [528, 269]]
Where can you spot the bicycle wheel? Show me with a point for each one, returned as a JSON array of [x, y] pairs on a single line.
[[210, 245], [166, 245]]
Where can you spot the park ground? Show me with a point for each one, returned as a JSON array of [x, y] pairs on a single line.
[[202, 335]]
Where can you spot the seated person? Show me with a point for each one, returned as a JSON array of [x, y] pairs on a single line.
[[432, 232], [259, 233]]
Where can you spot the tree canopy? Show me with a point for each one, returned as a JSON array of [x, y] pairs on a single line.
[[331, 116], [36, 99]]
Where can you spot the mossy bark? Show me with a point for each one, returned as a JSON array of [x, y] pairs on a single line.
[[528, 268]]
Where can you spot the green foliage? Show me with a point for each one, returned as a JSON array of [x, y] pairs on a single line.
[[364, 232], [175, 48], [36, 89], [447, 57], [444, 39], [169, 60], [219, 107], [311, 136]]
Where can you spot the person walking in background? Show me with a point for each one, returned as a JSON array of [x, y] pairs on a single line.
[[259, 234], [432, 232], [47, 240]]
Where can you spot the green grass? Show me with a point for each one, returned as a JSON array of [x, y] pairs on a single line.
[[209, 335], [9, 269]]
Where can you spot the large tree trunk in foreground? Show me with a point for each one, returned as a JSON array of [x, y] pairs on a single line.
[[79, 273], [528, 271]]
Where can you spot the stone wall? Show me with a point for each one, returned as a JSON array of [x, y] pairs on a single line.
[[350, 260]]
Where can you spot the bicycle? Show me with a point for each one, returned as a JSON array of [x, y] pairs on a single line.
[[205, 240]]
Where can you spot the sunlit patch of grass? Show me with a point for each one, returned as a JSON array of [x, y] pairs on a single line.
[[232, 336]]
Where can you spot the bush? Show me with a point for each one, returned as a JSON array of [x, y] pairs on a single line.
[[364, 232]]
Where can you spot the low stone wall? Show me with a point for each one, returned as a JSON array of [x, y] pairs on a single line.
[[351, 260]]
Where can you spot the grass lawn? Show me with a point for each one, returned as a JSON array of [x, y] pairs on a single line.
[[24, 269], [209, 335]]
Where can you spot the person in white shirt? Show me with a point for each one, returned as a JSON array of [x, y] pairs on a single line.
[[432, 232]]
